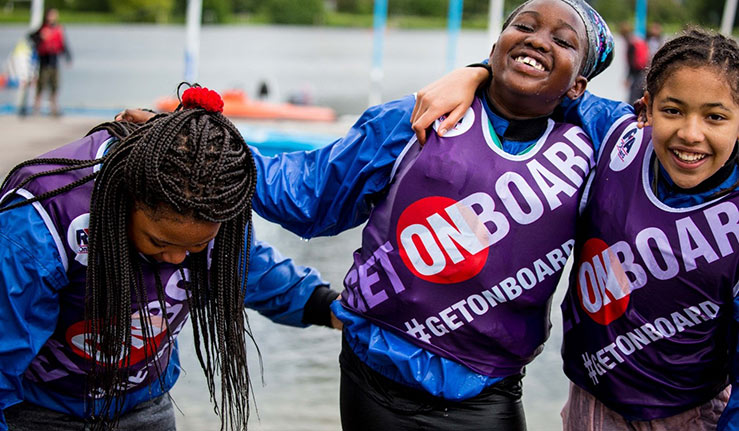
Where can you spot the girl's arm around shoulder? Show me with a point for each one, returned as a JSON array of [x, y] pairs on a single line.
[[331, 189], [284, 292], [31, 274], [594, 114]]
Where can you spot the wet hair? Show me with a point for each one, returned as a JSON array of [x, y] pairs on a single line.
[[192, 163], [695, 47]]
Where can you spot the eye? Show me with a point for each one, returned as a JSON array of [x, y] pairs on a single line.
[[671, 111], [156, 243], [524, 27], [563, 43], [716, 117]]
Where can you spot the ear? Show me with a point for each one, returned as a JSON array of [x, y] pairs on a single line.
[[578, 87], [492, 50], [648, 107]]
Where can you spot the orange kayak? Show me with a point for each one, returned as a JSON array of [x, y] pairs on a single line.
[[237, 105]]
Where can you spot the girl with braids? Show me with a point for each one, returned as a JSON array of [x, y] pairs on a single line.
[[109, 244], [651, 314]]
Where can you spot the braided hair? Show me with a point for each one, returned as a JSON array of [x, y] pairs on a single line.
[[192, 163], [695, 47]]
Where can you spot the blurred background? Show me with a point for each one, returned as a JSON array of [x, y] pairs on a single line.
[[341, 55]]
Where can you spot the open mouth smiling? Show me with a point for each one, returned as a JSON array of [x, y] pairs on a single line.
[[688, 157], [529, 61]]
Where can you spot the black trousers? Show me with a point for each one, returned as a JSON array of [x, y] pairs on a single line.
[[372, 402]]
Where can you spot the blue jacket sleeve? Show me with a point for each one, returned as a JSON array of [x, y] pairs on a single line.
[[595, 115], [329, 190], [730, 417], [31, 275], [276, 287]]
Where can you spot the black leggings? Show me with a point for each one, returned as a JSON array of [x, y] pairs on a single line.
[[372, 402]]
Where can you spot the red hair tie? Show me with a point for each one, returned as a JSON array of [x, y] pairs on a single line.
[[201, 97]]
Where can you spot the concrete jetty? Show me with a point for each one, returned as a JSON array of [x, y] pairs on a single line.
[[26, 137]]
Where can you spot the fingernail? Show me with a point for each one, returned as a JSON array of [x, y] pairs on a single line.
[[442, 132]]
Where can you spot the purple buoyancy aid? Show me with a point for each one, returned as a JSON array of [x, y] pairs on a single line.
[[647, 313], [62, 364], [464, 253]]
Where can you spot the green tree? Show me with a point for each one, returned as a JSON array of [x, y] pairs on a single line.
[[142, 10], [476, 7], [418, 7], [90, 5], [303, 12], [615, 12], [245, 6], [216, 11], [355, 6], [706, 12]]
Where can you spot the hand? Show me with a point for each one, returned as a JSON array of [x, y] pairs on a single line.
[[138, 116], [335, 322], [452, 95]]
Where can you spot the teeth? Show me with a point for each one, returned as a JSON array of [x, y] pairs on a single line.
[[531, 62], [688, 157]]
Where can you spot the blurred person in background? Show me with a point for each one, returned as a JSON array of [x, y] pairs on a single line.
[[50, 43], [637, 56]]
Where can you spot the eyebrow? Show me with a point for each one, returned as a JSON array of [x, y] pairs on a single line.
[[561, 21], [705, 105], [162, 242]]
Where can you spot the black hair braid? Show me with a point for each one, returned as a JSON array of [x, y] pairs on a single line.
[[194, 164], [697, 48]]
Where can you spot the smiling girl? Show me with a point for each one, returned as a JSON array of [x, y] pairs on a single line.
[[649, 336], [444, 304]]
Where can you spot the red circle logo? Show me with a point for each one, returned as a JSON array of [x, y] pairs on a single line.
[[602, 284], [83, 344], [442, 241]]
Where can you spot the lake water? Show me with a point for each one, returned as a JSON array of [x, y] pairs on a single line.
[[125, 66]]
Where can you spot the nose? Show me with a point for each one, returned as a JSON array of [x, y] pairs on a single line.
[[691, 130], [174, 257], [538, 41]]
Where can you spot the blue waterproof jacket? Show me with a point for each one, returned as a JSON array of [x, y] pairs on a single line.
[[326, 191], [32, 273]]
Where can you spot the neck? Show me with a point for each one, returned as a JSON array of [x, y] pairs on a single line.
[[512, 106], [519, 130]]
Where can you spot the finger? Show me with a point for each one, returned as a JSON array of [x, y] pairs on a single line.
[[420, 132], [416, 108], [451, 120]]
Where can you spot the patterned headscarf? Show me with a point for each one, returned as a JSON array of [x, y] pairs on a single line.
[[600, 39]]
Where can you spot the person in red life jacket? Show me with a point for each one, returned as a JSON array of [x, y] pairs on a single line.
[[637, 56], [50, 43]]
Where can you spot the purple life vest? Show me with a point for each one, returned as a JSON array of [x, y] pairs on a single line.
[[464, 253], [62, 363], [647, 312]]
